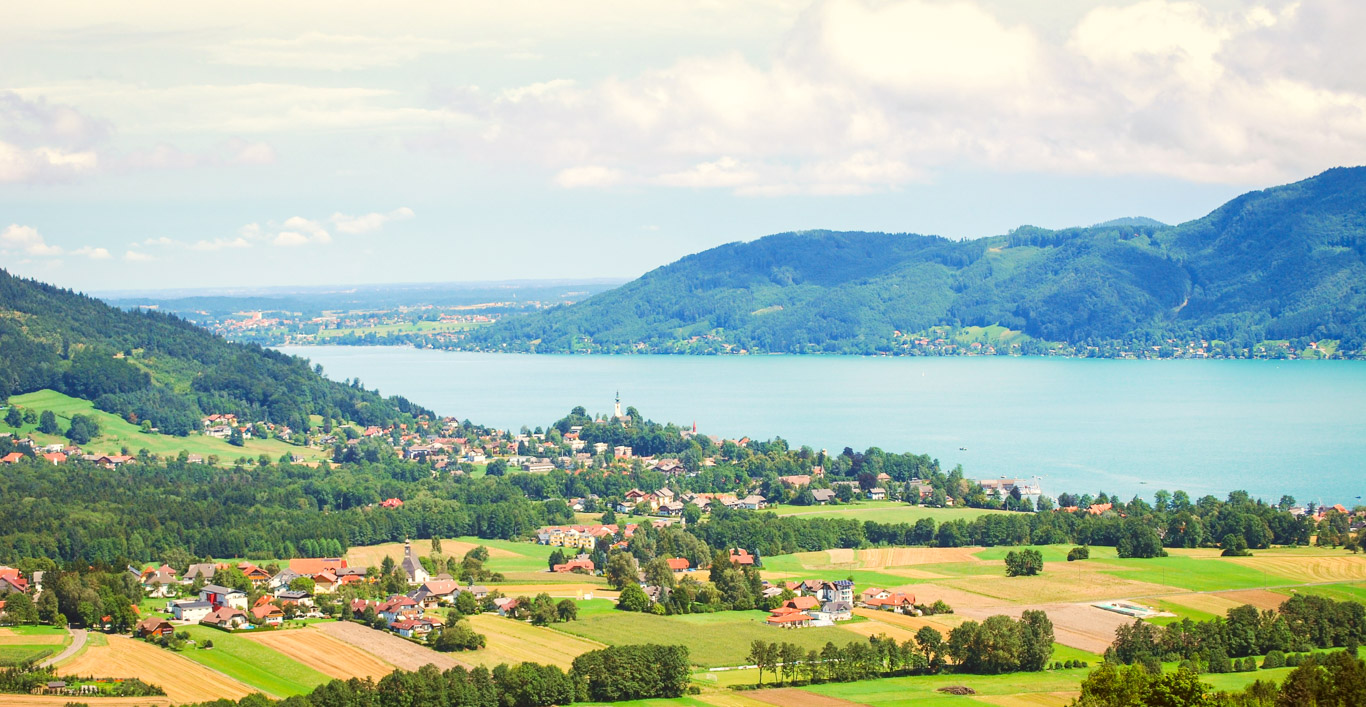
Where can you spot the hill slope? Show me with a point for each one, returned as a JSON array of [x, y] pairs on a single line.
[[1283, 263], [156, 367]]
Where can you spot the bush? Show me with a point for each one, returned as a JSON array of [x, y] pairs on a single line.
[[1079, 553], [1274, 659], [1025, 563]]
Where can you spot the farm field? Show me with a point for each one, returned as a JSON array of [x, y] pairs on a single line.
[[251, 662], [512, 642], [20, 644], [720, 639], [389, 648], [116, 433], [318, 650], [183, 679]]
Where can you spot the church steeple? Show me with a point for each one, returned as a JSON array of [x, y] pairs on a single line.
[[617, 409]]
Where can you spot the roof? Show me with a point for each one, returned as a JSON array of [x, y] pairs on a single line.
[[183, 605], [216, 589], [788, 618], [312, 566], [678, 563], [266, 610], [803, 603]]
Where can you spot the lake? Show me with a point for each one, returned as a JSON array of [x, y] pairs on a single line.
[[1127, 427]]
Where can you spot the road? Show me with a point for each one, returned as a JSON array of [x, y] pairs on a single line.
[[77, 643]]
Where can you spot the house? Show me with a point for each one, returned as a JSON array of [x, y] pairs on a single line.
[[898, 602], [823, 496], [796, 480], [834, 611], [877, 493], [202, 570], [413, 628], [256, 575], [111, 461], [398, 608], [294, 596], [506, 605], [191, 611], [310, 566], [770, 592], [326, 582], [784, 617], [12, 580], [153, 627], [803, 603], [223, 596], [433, 592], [391, 503], [678, 564], [839, 590], [55, 457], [417, 574], [159, 582], [227, 618], [575, 564], [621, 452], [753, 502], [873, 593], [268, 615], [741, 556]]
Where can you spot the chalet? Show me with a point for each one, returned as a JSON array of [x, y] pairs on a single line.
[[12, 580], [803, 603], [191, 611], [753, 502], [873, 593], [578, 563], [877, 493], [112, 461], [433, 592], [671, 508], [256, 575], [741, 556], [268, 615], [153, 627], [834, 611], [223, 596], [413, 628], [326, 582], [160, 581], [227, 618], [823, 496], [417, 574], [898, 602]]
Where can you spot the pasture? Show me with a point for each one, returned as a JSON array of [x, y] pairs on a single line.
[[116, 433]]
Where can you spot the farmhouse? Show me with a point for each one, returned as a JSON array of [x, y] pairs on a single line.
[[268, 615], [741, 556], [787, 617], [578, 563], [153, 627], [413, 628], [227, 618]]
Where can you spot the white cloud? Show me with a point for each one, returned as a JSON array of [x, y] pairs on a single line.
[[92, 253], [869, 96], [211, 244], [368, 222], [587, 176], [137, 257], [26, 240], [332, 52], [250, 153]]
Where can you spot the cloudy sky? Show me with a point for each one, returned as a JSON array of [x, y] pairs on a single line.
[[148, 144]]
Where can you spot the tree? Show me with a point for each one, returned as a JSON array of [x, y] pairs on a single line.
[[931, 644], [302, 584], [633, 598], [659, 574], [47, 423], [48, 611], [1036, 640], [556, 558], [1079, 553], [1138, 539], [14, 418], [790, 655], [543, 611], [567, 610], [1234, 545], [236, 439], [1026, 563], [621, 570], [762, 655], [19, 608], [497, 467]]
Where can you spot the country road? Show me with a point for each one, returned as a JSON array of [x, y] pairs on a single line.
[[77, 643]]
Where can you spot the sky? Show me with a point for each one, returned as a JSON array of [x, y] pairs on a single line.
[[150, 144]]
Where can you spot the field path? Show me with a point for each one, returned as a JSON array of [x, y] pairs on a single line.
[[388, 647], [77, 643]]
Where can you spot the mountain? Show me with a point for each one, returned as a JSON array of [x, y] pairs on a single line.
[[1281, 264], [162, 369]]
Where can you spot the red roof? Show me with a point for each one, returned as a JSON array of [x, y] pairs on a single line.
[[788, 618], [391, 503], [678, 563], [741, 556], [313, 566], [802, 603], [11, 458], [572, 565]]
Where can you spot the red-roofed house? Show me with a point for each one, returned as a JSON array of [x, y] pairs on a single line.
[[575, 564], [678, 564], [391, 503], [11, 458], [741, 556]]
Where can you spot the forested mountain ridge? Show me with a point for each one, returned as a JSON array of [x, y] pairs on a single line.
[[160, 368], [1281, 264]]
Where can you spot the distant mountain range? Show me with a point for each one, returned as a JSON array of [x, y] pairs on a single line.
[[1280, 264]]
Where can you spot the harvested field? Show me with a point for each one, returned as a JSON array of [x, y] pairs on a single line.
[[1208, 603], [324, 653], [877, 619], [929, 593], [1056, 587], [1080, 626], [797, 698], [388, 647], [1195, 552], [879, 557], [913, 574], [1260, 598], [728, 699], [9, 638], [512, 641], [183, 679], [1305, 570], [372, 555]]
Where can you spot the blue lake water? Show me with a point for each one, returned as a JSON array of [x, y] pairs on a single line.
[[1128, 427]]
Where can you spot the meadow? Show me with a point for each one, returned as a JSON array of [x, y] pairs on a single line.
[[117, 433], [881, 512], [250, 662]]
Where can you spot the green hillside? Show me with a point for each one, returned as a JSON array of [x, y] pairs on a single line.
[[1280, 264], [157, 368]]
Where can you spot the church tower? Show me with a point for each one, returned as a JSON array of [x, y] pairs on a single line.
[[617, 410]]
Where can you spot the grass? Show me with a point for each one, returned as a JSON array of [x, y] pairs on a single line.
[[1197, 574], [921, 689], [713, 640], [117, 433], [16, 654], [37, 630], [797, 566], [1337, 592], [882, 512], [252, 663]]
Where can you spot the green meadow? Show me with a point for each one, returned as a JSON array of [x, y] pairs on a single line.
[[251, 663]]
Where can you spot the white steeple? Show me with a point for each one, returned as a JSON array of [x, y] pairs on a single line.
[[617, 413]]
